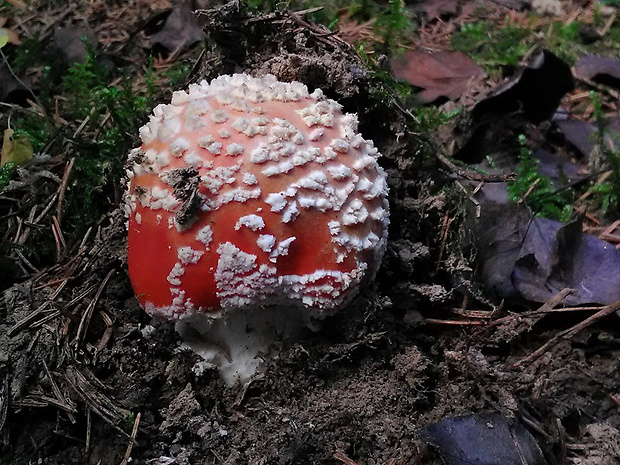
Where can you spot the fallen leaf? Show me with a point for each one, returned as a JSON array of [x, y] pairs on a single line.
[[70, 42], [179, 30], [10, 87], [597, 68], [557, 168], [483, 439], [535, 91], [555, 256], [17, 150], [525, 258], [8, 35], [434, 9], [440, 74], [580, 134]]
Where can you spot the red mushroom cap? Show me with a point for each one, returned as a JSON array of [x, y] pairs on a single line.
[[249, 191]]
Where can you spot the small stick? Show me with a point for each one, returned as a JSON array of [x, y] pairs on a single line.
[[85, 321], [570, 332], [63, 188], [132, 439]]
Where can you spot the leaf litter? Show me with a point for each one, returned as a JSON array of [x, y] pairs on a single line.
[[89, 379], [440, 74]]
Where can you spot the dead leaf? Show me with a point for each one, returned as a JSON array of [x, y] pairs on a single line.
[[179, 30], [580, 134], [69, 42], [8, 84], [558, 168], [555, 256], [484, 438], [434, 9], [11, 35], [535, 91], [16, 150], [440, 74], [534, 258], [597, 68]]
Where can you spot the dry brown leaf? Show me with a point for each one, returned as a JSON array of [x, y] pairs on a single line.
[[12, 34], [17, 4], [440, 8], [440, 74], [180, 30], [592, 67]]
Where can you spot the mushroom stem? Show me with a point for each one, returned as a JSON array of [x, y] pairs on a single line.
[[242, 342]]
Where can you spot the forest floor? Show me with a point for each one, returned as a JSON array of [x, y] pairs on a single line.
[[477, 342]]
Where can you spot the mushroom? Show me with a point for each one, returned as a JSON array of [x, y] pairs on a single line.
[[251, 198]]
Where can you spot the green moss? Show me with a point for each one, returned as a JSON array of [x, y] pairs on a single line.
[[607, 193], [536, 190], [493, 46], [104, 121]]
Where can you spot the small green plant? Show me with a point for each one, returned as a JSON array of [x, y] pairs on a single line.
[[493, 46], [393, 24], [430, 118], [608, 191], [110, 117], [537, 190]]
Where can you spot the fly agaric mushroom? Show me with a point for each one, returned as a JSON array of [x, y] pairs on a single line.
[[251, 193]]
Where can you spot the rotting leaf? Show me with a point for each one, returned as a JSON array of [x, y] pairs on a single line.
[[483, 439], [440, 74], [4, 37], [8, 35], [71, 43], [521, 257], [599, 69], [434, 9], [179, 31], [556, 255], [580, 134], [532, 95], [17, 150], [535, 91]]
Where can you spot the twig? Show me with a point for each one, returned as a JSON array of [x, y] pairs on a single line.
[[63, 188], [89, 427], [132, 439], [28, 320], [547, 307], [4, 401], [570, 332], [344, 459], [85, 321], [58, 238], [455, 322], [473, 175]]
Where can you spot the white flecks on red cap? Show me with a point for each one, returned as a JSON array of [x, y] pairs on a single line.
[[250, 191]]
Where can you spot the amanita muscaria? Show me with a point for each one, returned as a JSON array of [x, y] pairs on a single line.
[[249, 192]]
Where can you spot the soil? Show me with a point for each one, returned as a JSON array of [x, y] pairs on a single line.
[[88, 378]]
